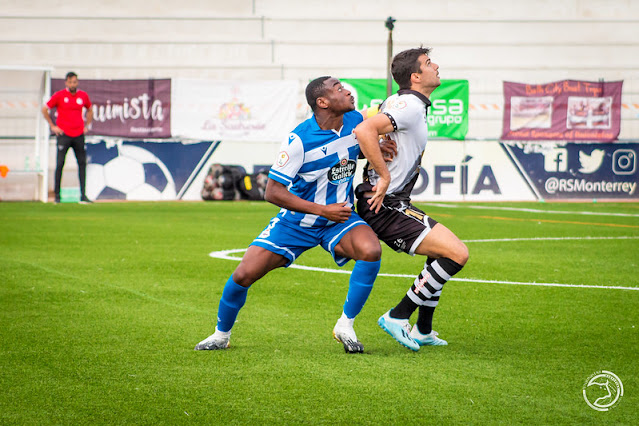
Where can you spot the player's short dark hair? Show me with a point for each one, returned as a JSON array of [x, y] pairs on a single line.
[[70, 74], [314, 90], [406, 63]]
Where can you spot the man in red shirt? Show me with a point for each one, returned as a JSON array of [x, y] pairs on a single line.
[[70, 128]]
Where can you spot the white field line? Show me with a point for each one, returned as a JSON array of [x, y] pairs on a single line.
[[227, 255], [489, 240], [518, 209]]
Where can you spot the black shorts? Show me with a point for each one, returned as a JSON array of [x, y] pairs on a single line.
[[399, 224]]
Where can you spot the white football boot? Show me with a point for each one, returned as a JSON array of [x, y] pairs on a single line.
[[344, 333], [217, 340]]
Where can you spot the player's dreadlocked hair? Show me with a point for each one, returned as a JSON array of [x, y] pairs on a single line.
[[314, 90], [405, 63]]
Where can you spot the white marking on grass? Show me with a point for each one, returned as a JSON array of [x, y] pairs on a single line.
[[493, 240], [227, 255], [521, 209]]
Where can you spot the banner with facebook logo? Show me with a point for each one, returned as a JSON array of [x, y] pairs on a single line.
[[562, 170]]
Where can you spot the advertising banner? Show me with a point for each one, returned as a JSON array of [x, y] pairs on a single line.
[[127, 108], [578, 170], [469, 171], [256, 111], [566, 110], [146, 171], [447, 117]]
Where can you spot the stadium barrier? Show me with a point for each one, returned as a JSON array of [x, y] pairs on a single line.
[[451, 170]]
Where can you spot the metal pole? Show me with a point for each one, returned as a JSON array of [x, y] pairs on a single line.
[[44, 129], [390, 24]]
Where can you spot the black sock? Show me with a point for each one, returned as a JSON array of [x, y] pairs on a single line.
[[404, 309], [425, 319]]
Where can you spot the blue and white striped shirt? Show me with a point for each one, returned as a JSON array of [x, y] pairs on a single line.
[[318, 165]]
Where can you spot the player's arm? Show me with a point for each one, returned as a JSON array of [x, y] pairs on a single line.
[[87, 124], [278, 194], [367, 133], [45, 113], [386, 144]]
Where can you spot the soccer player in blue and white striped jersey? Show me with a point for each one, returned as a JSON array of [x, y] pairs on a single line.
[[312, 181]]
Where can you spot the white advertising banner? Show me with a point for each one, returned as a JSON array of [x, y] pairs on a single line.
[[470, 171], [233, 110]]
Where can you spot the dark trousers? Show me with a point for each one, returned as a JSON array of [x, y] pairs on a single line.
[[77, 143]]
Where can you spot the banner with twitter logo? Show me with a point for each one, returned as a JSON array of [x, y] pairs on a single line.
[[560, 170]]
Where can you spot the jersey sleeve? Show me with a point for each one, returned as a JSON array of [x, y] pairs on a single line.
[[402, 114], [289, 160], [53, 102], [87, 101]]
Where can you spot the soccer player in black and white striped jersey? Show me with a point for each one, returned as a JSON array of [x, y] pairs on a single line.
[[384, 197]]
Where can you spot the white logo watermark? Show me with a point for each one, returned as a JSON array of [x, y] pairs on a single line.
[[602, 390]]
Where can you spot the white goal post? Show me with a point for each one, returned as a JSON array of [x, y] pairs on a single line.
[[24, 133]]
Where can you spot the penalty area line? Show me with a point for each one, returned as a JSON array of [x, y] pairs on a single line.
[[227, 255]]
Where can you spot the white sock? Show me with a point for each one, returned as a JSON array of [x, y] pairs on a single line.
[[222, 333]]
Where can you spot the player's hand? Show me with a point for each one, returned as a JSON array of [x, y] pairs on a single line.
[[337, 212], [57, 131], [86, 130], [375, 202], [388, 148]]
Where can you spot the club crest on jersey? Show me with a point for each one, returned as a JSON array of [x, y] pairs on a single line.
[[396, 104], [282, 159], [342, 172]]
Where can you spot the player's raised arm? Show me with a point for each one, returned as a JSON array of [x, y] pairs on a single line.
[[278, 194], [367, 134]]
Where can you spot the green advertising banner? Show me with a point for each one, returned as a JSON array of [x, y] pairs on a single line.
[[447, 116]]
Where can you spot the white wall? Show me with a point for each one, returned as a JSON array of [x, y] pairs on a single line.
[[486, 42]]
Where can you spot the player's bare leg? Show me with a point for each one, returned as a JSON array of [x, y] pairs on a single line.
[[256, 263], [447, 255]]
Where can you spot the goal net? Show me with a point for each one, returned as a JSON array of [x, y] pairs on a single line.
[[24, 134]]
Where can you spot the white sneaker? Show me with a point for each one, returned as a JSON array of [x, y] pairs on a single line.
[[429, 339], [344, 333], [217, 340]]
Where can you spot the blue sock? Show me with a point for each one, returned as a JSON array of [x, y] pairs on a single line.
[[233, 298], [360, 286]]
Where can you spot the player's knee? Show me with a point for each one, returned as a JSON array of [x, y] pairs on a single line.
[[243, 276], [461, 254], [371, 250]]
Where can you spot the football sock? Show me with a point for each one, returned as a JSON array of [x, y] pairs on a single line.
[[425, 319], [427, 288], [233, 298], [360, 286], [406, 306], [404, 309]]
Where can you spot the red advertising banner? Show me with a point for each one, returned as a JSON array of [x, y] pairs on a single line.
[[128, 108], [567, 110]]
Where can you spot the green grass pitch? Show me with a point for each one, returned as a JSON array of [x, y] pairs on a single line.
[[101, 306]]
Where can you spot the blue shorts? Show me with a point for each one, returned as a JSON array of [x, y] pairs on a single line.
[[291, 240]]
